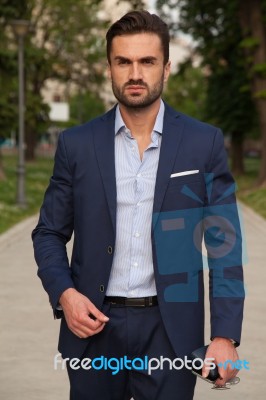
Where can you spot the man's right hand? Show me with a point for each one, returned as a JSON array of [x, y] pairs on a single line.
[[82, 317]]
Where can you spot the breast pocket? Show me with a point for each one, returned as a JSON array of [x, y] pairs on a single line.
[[185, 192], [176, 182]]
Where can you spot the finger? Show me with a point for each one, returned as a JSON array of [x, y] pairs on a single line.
[[96, 331], [204, 372], [227, 373], [85, 333], [225, 376], [89, 323], [230, 374], [97, 314], [206, 368], [85, 324], [220, 382]]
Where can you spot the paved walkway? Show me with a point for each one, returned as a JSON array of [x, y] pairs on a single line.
[[28, 333]]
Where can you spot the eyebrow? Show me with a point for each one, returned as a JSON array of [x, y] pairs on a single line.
[[148, 58]]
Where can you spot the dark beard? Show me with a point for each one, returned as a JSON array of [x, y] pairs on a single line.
[[138, 101]]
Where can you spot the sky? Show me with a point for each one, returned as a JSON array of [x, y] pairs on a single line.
[[152, 5]]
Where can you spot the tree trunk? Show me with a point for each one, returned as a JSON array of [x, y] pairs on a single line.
[[31, 142], [2, 172], [237, 154], [251, 21]]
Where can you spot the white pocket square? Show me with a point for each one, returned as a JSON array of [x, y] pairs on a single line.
[[191, 172]]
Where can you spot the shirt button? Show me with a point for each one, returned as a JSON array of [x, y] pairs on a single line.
[[110, 250], [138, 204], [139, 175], [137, 234], [135, 264]]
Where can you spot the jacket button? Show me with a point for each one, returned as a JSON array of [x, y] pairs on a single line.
[[101, 288], [110, 250]]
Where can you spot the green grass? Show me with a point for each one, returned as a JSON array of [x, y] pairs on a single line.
[[37, 178], [248, 193], [38, 174]]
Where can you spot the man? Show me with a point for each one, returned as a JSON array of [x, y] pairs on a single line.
[[128, 184]]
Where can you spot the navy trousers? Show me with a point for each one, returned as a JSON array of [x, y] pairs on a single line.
[[137, 333]]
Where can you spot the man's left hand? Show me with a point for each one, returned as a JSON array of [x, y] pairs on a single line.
[[222, 350]]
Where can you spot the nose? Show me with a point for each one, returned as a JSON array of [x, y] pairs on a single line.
[[135, 71]]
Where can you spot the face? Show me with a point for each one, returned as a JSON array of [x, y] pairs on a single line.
[[137, 69]]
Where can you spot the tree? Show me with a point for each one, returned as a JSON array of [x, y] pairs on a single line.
[[66, 44], [2, 172], [216, 30], [85, 106], [71, 52], [252, 16], [186, 90], [8, 73]]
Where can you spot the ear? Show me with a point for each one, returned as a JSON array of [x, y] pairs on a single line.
[[167, 70]]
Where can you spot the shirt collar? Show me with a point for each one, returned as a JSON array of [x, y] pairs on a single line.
[[158, 126]]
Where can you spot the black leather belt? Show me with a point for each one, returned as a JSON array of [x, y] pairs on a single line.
[[132, 302]]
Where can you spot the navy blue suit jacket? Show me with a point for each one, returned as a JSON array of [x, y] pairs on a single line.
[[81, 198]]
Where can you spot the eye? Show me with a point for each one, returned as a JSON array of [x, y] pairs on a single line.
[[148, 61], [123, 62]]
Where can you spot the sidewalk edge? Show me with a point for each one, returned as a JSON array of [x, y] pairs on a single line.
[[7, 238]]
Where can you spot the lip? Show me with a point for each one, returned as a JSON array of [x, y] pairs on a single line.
[[135, 87]]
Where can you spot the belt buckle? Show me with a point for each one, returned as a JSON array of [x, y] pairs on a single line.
[[150, 302]]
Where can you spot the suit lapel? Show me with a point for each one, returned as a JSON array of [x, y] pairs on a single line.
[[171, 138], [104, 148], [104, 134]]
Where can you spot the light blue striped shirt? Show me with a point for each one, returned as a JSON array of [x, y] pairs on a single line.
[[132, 273]]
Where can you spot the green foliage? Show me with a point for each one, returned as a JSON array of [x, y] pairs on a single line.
[[12, 9], [8, 85], [249, 43], [260, 69], [85, 106], [37, 180], [218, 39], [186, 91], [70, 39], [36, 113], [260, 94], [229, 103], [247, 191], [66, 43]]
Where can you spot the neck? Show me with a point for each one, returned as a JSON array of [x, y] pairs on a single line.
[[140, 121]]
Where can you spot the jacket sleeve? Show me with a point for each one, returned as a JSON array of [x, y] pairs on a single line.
[[223, 241], [54, 230]]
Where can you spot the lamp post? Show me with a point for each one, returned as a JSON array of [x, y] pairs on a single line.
[[21, 28]]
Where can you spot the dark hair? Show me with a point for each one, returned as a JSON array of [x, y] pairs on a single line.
[[139, 22]]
